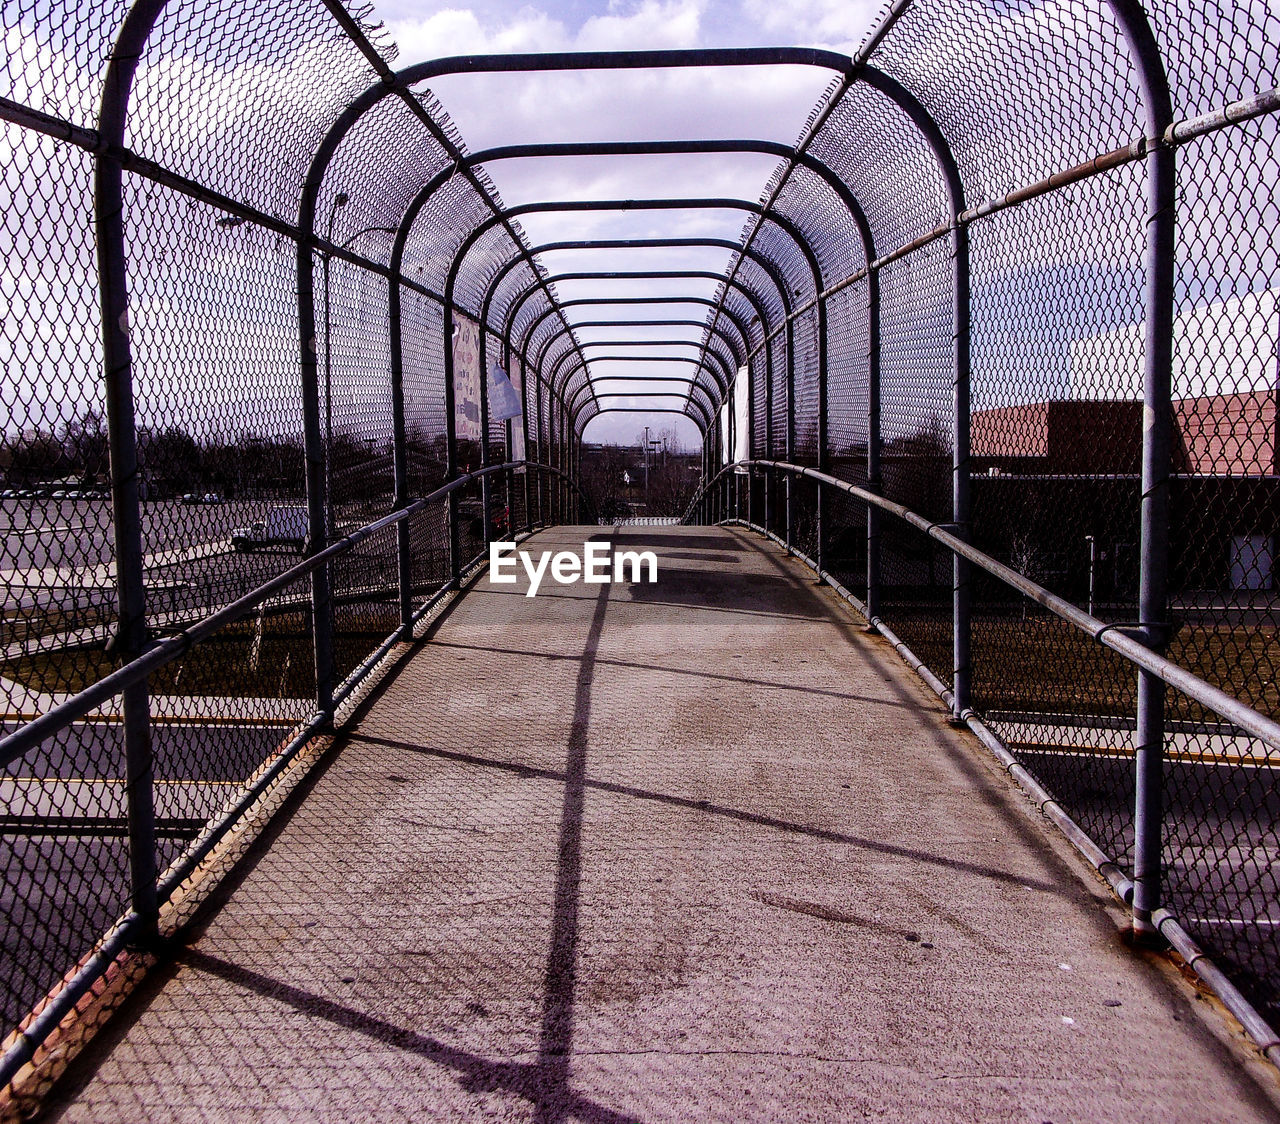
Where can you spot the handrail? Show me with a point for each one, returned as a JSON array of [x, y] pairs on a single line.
[[1111, 636], [26, 737]]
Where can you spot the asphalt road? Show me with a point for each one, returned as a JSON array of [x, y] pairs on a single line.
[[1221, 850], [64, 871], [56, 557]]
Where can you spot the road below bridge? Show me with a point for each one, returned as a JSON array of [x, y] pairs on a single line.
[[697, 849]]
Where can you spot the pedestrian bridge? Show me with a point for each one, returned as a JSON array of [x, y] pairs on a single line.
[[696, 849], [936, 776]]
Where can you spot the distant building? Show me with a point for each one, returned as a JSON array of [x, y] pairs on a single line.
[[1226, 381]]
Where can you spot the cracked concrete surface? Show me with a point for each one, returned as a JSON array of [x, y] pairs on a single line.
[[701, 850]]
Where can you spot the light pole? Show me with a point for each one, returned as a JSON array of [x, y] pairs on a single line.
[[646, 470]]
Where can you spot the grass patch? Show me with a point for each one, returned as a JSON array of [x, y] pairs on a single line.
[[238, 662], [1041, 663]]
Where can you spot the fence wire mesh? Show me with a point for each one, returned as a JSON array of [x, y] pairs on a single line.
[[243, 467], [1051, 482]]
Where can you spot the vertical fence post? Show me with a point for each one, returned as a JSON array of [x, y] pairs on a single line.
[[824, 460], [542, 450], [751, 443], [790, 436], [317, 487], [400, 456], [131, 627], [524, 429], [874, 480], [962, 571], [486, 487], [449, 326], [767, 480], [1157, 439]]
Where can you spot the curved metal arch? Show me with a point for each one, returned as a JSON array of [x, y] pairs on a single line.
[[804, 159], [782, 222], [723, 373], [655, 243], [686, 359], [758, 307], [737, 352], [629, 243], [628, 301], [707, 414], [641, 410], [766, 263], [726, 361]]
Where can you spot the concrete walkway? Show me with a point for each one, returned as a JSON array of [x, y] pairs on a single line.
[[699, 850]]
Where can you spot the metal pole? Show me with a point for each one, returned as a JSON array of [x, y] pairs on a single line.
[[751, 444], [962, 574], [823, 457], [1093, 563], [1157, 394], [328, 397], [1153, 583], [131, 637], [646, 470], [789, 437], [400, 460], [339, 200], [450, 327], [767, 478], [874, 481], [486, 494], [524, 429]]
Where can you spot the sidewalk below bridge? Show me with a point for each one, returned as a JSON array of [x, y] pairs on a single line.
[[701, 849]]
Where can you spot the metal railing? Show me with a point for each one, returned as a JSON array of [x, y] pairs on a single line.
[[1017, 275], [730, 496], [206, 826]]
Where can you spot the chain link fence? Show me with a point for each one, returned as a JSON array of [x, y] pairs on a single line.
[[1038, 351], [1018, 278], [206, 557]]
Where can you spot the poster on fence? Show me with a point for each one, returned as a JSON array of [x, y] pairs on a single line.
[[734, 423], [466, 377], [504, 402], [517, 421]]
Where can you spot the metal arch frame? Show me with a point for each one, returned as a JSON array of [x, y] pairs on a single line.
[[697, 361], [739, 355], [640, 410], [706, 417], [505, 217], [653, 243], [693, 147], [605, 302], [723, 369], [645, 205], [757, 305], [793, 155], [708, 327], [1137, 29], [726, 363], [129, 45], [783, 222], [756, 302], [641, 275]]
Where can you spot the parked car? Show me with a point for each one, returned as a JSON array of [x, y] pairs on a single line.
[[282, 526]]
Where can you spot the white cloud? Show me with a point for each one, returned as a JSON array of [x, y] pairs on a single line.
[[832, 24]]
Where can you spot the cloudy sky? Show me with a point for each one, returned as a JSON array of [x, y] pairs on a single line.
[[757, 103]]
